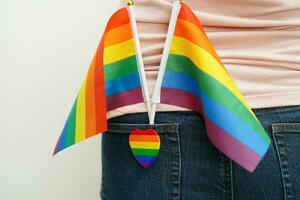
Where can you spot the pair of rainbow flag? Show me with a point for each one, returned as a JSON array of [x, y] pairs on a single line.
[[194, 79]]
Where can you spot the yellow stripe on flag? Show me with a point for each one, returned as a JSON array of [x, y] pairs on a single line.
[[80, 114], [145, 145], [119, 51], [207, 63]]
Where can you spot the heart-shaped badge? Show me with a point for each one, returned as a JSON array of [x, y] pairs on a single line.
[[144, 145]]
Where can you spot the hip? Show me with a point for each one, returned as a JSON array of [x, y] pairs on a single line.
[[188, 166]]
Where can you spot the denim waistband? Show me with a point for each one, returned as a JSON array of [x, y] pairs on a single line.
[[126, 128], [276, 109]]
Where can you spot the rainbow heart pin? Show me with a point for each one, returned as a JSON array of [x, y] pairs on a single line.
[[144, 145]]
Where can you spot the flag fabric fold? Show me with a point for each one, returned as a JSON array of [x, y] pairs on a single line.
[[112, 81], [196, 79]]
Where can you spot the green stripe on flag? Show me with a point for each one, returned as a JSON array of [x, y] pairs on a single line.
[[144, 152], [120, 68], [70, 131], [216, 91]]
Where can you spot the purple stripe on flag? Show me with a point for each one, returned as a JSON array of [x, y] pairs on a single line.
[[124, 98], [231, 147], [146, 164], [222, 140], [180, 98]]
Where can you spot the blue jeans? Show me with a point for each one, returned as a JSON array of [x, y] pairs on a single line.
[[189, 167]]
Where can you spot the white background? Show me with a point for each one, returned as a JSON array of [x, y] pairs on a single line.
[[45, 51]]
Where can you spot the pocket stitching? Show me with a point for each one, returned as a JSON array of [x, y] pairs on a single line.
[[286, 127], [279, 130]]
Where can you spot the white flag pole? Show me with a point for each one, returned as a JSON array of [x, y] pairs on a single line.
[[141, 67], [163, 63]]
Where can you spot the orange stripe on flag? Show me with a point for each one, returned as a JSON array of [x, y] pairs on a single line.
[[195, 35], [144, 138], [117, 35], [188, 15], [90, 128]]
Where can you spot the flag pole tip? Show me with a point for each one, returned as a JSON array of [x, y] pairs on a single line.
[[130, 2]]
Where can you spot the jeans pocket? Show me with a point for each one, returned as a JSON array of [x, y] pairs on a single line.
[[124, 178], [287, 143]]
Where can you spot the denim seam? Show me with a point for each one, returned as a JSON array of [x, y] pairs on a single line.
[[222, 174], [280, 129], [231, 178], [289, 170], [179, 171], [228, 178], [176, 166], [225, 164], [280, 164]]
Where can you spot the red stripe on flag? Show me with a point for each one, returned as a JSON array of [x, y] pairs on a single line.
[[119, 18], [100, 100]]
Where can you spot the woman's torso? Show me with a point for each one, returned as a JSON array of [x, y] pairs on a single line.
[[257, 41]]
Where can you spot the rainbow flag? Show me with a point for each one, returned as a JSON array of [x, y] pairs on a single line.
[[112, 81], [196, 79]]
